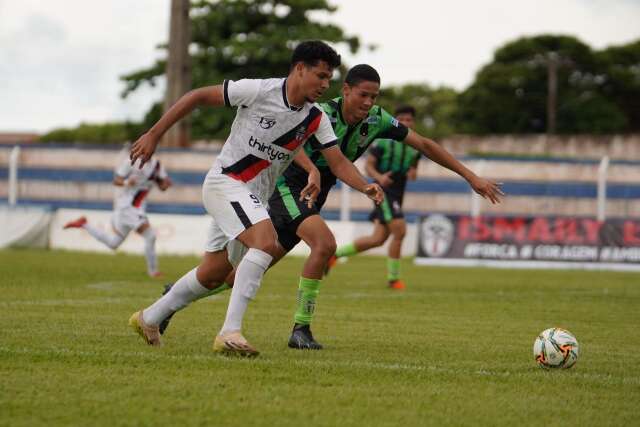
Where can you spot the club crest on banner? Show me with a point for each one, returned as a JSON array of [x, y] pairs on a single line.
[[436, 235]]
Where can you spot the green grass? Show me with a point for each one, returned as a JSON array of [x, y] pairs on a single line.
[[453, 349]]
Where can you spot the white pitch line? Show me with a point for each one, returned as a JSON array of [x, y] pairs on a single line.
[[600, 378]]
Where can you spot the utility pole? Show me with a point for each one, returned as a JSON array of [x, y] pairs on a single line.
[[552, 61], [178, 70]]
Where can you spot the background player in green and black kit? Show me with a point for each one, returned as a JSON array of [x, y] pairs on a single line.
[[390, 163], [357, 122]]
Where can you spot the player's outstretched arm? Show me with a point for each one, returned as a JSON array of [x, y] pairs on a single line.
[[146, 145], [350, 175], [312, 189], [485, 187]]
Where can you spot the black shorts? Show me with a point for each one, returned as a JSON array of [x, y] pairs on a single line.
[[287, 211], [389, 209]]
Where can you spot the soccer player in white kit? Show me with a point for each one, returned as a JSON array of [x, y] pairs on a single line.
[[133, 184], [274, 118]]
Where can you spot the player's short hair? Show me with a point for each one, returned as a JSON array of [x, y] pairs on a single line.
[[361, 73], [311, 52], [406, 109]]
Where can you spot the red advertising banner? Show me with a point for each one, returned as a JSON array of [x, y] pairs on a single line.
[[530, 241]]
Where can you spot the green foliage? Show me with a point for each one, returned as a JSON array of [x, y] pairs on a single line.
[[435, 108], [117, 132], [454, 349], [234, 39], [509, 95]]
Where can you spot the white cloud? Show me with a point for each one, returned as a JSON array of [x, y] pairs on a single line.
[[60, 60]]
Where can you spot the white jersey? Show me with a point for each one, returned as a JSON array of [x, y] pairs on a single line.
[[267, 133], [135, 196]]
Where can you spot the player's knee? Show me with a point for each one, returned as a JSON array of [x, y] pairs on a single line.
[[324, 247], [149, 237]]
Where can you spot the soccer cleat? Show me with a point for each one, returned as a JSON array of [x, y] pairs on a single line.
[[165, 323], [150, 334], [302, 338], [333, 260], [156, 275], [396, 284], [234, 344], [77, 223]]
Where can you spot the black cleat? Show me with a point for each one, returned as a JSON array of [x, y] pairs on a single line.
[[165, 323], [302, 338]]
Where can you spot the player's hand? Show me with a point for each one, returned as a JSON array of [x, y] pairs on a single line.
[[385, 179], [487, 188], [412, 174], [130, 182], [374, 192], [143, 149], [310, 192]]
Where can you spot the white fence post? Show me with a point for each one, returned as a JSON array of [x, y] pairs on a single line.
[[476, 199], [13, 175], [345, 202], [602, 188]]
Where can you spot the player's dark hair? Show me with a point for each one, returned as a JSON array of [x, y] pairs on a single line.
[[361, 73], [406, 109], [313, 51]]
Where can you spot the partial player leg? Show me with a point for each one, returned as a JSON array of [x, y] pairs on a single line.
[[112, 240], [212, 270], [315, 232], [398, 230], [149, 236], [376, 238], [261, 240]]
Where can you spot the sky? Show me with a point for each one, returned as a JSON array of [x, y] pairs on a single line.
[[60, 61]]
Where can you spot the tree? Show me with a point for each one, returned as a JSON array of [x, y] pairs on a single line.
[[620, 75], [511, 94], [233, 39]]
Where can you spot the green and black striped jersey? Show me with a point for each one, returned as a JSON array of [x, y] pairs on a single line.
[[395, 157], [353, 140]]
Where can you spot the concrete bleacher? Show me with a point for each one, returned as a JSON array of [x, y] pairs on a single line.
[[72, 177]]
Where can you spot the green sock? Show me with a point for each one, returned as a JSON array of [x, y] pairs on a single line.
[[217, 290], [308, 290], [393, 269], [346, 250]]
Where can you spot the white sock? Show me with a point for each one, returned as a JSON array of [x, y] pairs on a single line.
[[150, 250], [109, 239], [184, 291], [248, 277]]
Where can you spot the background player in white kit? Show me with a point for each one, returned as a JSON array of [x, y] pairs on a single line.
[[274, 119], [133, 184]]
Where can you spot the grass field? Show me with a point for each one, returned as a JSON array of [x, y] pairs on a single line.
[[454, 349]]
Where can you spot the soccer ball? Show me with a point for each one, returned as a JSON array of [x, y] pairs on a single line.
[[555, 348]]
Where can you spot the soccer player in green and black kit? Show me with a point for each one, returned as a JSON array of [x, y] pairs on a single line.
[[390, 163], [357, 122]]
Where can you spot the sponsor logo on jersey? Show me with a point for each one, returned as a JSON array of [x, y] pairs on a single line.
[[395, 122], [300, 132], [267, 122], [437, 234], [372, 120], [272, 152]]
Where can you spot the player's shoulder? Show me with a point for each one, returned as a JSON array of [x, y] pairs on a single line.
[[274, 84]]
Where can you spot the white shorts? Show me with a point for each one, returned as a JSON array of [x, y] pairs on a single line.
[[126, 219], [233, 209]]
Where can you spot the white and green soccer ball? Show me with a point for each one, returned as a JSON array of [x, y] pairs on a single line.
[[556, 348]]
